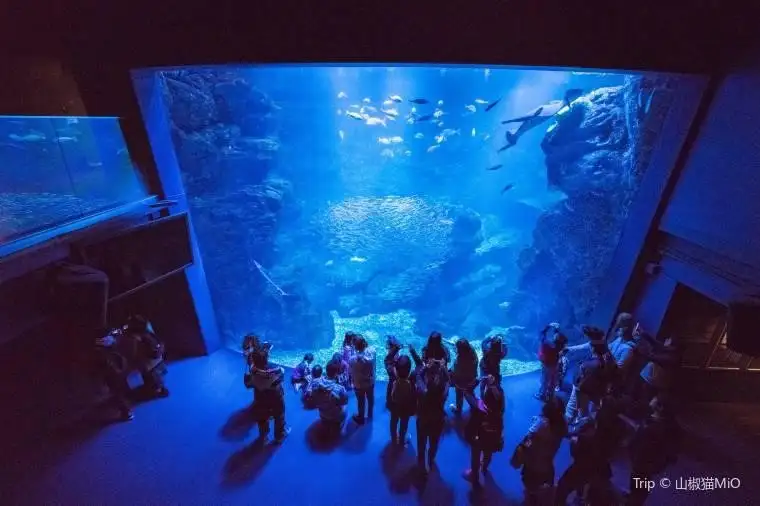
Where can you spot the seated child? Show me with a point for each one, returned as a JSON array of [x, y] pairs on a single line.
[[403, 403], [329, 396], [265, 379], [302, 373], [486, 427], [149, 354]]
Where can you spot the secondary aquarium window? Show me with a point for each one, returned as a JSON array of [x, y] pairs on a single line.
[[58, 169], [402, 200]]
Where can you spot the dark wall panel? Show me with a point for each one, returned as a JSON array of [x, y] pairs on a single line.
[[39, 87], [716, 203]]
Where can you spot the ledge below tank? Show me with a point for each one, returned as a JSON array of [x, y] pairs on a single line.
[[374, 327]]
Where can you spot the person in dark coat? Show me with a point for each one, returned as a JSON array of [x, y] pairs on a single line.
[[494, 351], [535, 453], [435, 349], [464, 373], [393, 347], [403, 400], [653, 448], [111, 366], [593, 443], [431, 385], [148, 353], [485, 430]]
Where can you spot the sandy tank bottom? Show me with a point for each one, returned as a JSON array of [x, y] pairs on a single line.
[[374, 328]]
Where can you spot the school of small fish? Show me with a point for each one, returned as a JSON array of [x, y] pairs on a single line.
[[423, 111], [420, 112]]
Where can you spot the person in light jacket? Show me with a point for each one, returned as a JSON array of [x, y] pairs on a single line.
[[624, 349], [329, 397], [594, 379], [347, 351], [265, 379], [362, 367], [657, 376]]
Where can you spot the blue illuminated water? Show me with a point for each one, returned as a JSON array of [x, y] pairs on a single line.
[[324, 201], [58, 169]]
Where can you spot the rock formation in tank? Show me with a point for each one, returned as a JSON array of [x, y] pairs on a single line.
[[225, 135], [596, 154]]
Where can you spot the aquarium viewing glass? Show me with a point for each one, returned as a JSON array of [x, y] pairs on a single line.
[[59, 169], [401, 200]]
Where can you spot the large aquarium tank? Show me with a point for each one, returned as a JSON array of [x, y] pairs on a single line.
[[56, 170], [402, 200]]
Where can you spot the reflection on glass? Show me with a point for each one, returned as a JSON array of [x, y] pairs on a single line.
[[403, 200], [57, 169]]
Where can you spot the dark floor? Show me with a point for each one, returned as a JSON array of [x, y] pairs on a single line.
[[193, 448]]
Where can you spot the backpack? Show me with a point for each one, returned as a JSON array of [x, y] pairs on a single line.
[[401, 391], [597, 374]]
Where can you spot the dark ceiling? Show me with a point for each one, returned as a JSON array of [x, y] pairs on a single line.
[[696, 36]]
